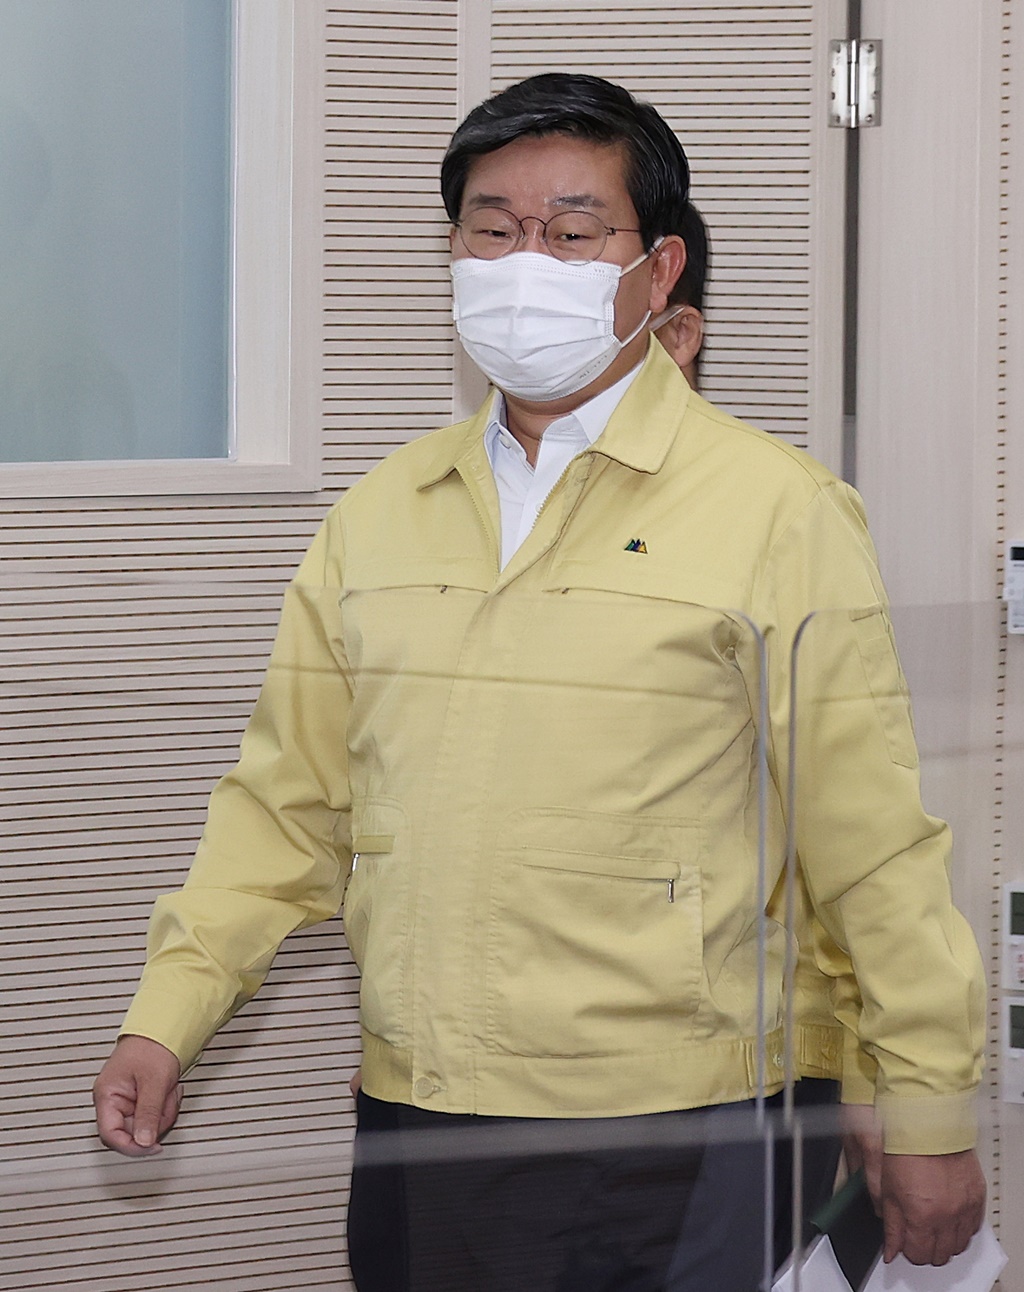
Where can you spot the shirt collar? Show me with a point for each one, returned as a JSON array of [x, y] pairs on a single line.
[[638, 431], [581, 427]]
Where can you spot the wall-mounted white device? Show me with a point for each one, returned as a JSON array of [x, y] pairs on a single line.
[[1013, 1050], [1013, 989], [1013, 937], [1013, 587]]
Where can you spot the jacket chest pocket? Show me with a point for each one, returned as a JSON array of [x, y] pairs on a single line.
[[630, 624], [593, 948], [409, 614]]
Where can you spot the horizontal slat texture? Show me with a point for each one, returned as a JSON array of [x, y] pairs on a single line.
[[735, 81], [237, 1222], [133, 638], [391, 94]]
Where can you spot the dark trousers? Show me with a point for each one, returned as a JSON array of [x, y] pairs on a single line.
[[820, 1159], [616, 1206]]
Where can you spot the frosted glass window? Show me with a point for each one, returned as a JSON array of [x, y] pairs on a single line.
[[115, 151]]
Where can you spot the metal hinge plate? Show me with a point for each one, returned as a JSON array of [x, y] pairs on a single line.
[[855, 83]]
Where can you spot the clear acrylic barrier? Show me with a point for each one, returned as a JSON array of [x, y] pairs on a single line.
[[869, 787], [837, 693]]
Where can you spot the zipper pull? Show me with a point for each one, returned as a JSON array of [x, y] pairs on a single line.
[[671, 890], [355, 862]]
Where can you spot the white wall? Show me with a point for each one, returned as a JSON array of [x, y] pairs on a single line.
[[937, 463]]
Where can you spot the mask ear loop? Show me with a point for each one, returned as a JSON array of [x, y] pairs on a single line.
[[666, 316], [646, 255], [628, 269], [636, 331]]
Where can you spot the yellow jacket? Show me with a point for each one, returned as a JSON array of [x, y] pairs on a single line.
[[548, 776]]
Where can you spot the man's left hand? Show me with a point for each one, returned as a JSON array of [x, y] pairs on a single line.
[[931, 1206]]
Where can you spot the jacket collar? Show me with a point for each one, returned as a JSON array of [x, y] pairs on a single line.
[[649, 417], [639, 434]]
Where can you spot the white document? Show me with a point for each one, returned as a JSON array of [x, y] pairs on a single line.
[[819, 1271], [974, 1270]]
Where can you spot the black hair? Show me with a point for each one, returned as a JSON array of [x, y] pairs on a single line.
[[691, 283], [587, 107]]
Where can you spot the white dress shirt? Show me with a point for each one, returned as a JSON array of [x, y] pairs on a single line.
[[523, 489]]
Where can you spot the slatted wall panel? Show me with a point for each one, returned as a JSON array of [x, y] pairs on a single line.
[[271, 1225], [392, 72], [740, 83], [134, 635]]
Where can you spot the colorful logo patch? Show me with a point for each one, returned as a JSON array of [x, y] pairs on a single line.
[[636, 545]]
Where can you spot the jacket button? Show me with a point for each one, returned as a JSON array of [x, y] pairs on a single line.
[[424, 1087]]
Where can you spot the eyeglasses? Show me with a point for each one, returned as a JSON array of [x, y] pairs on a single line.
[[490, 232]]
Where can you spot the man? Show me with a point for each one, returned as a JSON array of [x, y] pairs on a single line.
[[502, 688]]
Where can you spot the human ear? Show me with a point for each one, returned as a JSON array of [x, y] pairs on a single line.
[[669, 263], [683, 335]]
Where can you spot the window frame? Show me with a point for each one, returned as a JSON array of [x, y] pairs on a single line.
[[275, 372]]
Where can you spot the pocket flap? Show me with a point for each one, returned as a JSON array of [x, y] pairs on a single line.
[[373, 843], [627, 573], [592, 863], [604, 834], [384, 573]]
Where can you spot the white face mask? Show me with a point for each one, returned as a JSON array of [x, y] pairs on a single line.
[[538, 327]]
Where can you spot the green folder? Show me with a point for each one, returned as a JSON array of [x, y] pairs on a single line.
[[853, 1229]]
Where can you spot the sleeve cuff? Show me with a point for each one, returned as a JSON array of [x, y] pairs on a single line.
[[929, 1124], [167, 1018]]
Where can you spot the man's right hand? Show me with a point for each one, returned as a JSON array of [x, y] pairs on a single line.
[[137, 1096]]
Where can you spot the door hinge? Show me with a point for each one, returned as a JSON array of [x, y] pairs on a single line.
[[855, 83]]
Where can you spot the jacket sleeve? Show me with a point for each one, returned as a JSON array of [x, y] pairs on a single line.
[[858, 1068], [275, 854], [877, 866]]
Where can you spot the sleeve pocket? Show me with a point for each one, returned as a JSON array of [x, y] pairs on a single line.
[[888, 685]]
